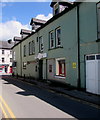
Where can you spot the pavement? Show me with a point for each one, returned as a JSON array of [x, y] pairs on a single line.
[[80, 95]]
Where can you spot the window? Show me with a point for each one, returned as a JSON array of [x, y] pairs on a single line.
[[3, 59], [3, 52], [13, 55], [41, 44], [56, 9], [24, 50], [51, 36], [98, 57], [10, 59], [30, 49], [33, 47], [24, 65], [14, 64], [50, 68], [60, 67], [58, 37], [92, 57], [10, 52]]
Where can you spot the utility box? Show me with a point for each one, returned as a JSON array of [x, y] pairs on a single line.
[[93, 73]]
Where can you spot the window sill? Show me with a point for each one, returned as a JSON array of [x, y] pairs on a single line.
[[60, 77], [55, 48]]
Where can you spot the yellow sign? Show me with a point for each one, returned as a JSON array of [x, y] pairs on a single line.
[[74, 64]]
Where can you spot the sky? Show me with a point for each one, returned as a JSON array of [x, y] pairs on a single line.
[[17, 15]]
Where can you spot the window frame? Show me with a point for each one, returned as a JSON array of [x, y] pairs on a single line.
[[41, 45], [3, 59], [33, 47], [51, 39], [56, 35], [11, 60], [3, 52], [56, 8], [61, 71], [30, 49], [24, 51]]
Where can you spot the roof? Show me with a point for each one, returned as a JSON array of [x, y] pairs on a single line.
[[17, 38], [5, 45], [62, 2], [24, 31], [37, 21], [49, 21]]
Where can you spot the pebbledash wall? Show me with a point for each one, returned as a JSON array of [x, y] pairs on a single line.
[[65, 63]]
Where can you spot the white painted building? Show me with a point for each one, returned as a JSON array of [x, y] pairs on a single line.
[[5, 57]]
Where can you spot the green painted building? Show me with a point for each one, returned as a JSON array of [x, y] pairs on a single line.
[[58, 49]]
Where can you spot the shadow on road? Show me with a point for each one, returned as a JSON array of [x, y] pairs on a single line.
[[70, 106]]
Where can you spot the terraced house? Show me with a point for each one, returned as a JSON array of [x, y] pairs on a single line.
[[65, 49]]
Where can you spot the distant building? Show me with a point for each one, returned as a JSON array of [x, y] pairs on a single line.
[[5, 57]]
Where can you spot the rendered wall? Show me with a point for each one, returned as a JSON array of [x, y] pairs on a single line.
[[88, 35]]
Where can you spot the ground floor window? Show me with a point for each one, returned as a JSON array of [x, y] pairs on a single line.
[[60, 67]]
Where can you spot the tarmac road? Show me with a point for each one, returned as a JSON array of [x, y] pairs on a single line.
[[29, 101]]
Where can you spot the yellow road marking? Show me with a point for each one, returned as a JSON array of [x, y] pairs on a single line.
[[5, 115], [7, 107]]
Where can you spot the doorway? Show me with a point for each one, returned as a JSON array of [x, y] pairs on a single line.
[[40, 69]]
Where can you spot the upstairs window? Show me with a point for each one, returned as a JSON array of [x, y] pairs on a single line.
[[30, 48], [33, 47], [56, 9], [41, 44], [51, 36], [10, 52], [10, 59], [3, 52], [3, 60], [24, 50], [58, 37]]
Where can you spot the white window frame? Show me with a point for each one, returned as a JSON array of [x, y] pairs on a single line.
[[14, 55], [41, 46], [33, 47], [57, 67], [3, 52], [58, 45], [51, 39], [30, 48], [56, 6], [24, 51]]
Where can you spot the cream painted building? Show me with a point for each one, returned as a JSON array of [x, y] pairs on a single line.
[[5, 57]]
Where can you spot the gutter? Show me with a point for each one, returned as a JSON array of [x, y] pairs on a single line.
[[21, 58]]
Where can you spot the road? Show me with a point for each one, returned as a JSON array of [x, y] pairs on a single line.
[[29, 101]]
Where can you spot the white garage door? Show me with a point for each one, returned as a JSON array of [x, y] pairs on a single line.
[[93, 73]]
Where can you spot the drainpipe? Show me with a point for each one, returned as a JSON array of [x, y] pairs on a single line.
[[21, 58], [78, 39]]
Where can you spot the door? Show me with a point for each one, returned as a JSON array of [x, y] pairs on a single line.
[[91, 74], [40, 69]]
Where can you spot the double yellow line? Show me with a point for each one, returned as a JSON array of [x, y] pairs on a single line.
[[6, 109]]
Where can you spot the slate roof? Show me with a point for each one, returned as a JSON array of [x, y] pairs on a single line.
[[5, 45], [17, 38], [24, 31], [37, 21]]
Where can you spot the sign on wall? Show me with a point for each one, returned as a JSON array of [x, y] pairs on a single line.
[[74, 64]]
